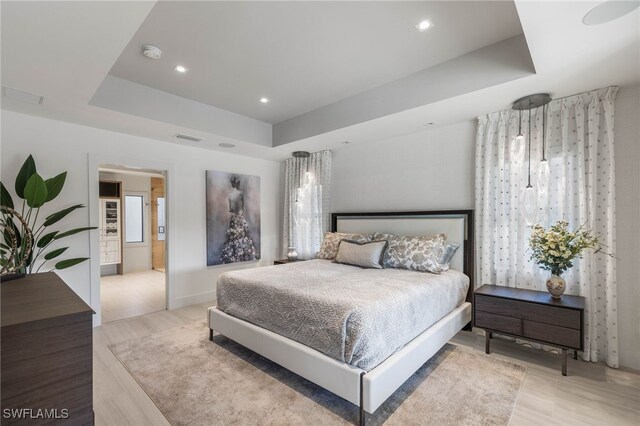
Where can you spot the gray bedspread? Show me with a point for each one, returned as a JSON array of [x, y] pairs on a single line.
[[359, 316]]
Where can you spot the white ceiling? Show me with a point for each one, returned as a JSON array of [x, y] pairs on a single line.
[[302, 55], [65, 50]]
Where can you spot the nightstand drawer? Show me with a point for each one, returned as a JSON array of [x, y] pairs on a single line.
[[529, 311], [498, 322], [553, 334]]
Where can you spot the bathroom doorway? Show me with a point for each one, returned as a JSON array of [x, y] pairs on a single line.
[[132, 232]]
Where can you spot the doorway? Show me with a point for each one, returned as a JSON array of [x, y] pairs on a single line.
[[132, 233]]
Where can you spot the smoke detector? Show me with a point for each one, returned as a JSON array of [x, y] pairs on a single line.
[[151, 51]]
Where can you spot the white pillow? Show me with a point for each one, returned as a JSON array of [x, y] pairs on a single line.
[[365, 254]]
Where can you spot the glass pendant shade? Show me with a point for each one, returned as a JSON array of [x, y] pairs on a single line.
[[518, 149], [520, 138], [543, 176], [306, 179], [530, 204]]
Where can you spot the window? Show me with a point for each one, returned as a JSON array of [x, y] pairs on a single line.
[[134, 214]]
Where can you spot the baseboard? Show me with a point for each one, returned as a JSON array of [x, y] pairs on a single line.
[[629, 359], [194, 299]]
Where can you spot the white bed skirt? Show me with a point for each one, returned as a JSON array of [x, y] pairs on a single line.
[[338, 377]]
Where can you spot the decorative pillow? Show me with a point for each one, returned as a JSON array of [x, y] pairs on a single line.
[[364, 255], [414, 253], [447, 254], [329, 248]]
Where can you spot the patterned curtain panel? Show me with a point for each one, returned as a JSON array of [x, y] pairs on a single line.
[[306, 203], [578, 185]]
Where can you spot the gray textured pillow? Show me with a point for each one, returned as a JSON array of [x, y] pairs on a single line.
[[414, 253], [364, 255], [448, 252], [329, 248]]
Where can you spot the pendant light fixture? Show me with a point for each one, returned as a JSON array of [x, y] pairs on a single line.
[[520, 137], [543, 167], [529, 196], [300, 155]]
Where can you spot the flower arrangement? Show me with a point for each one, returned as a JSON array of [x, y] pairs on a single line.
[[554, 249]]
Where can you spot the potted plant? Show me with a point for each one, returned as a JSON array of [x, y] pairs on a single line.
[[555, 249], [27, 237]]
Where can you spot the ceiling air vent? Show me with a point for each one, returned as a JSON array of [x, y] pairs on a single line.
[[188, 137], [22, 95]]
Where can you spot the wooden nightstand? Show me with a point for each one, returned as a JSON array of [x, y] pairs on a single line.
[[531, 315], [285, 261]]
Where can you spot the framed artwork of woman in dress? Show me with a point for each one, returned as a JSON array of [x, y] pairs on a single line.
[[233, 218]]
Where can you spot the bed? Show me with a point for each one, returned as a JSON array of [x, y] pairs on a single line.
[[359, 333]]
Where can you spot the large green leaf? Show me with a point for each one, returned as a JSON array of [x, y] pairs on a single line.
[[55, 217], [55, 253], [27, 169], [46, 239], [5, 197], [63, 264], [73, 231], [35, 192], [54, 185]]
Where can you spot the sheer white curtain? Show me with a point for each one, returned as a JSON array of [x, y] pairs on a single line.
[[578, 185], [306, 203]]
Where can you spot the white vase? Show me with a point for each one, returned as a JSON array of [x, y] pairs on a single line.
[[556, 285], [292, 254]]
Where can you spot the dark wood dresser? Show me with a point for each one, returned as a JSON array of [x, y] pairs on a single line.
[[47, 356], [531, 315]]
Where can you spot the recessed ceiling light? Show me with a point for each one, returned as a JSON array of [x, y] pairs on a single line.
[[423, 26], [431, 123], [226, 145], [181, 69], [346, 142], [608, 11], [264, 100]]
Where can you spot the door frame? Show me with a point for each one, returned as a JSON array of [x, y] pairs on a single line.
[[95, 161], [155, 210]]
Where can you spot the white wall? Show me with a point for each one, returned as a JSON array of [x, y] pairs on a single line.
[[434, 170], [430, 170], [135, 257], [627, 153], [58, 146]]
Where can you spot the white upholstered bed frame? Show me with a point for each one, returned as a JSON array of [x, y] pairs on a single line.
[[368, 390]]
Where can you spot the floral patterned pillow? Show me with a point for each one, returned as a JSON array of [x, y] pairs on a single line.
[[448, 251], [329, 248], [414, 253]]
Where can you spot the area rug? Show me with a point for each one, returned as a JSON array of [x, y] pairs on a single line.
[[194, 381]]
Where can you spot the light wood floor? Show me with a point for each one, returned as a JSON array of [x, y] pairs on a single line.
[[592, 394], [132, 294]]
